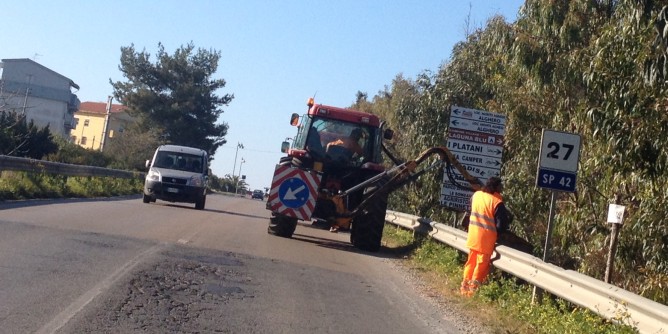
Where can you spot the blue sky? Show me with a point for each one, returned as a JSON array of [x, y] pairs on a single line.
[[275, 54]]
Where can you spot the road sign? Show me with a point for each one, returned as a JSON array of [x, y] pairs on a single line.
[[558, 160], [615, 213], [293, 192], [556, 180], [455, 197], [475, 138]]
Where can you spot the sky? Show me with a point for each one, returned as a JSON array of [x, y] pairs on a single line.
[[274, 54]]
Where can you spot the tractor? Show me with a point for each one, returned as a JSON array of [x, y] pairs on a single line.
[[333, 173]]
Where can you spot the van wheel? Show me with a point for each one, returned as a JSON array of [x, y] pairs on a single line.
[[199, 205], [146, 199]]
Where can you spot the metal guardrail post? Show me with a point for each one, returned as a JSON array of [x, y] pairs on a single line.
[[609, 301]]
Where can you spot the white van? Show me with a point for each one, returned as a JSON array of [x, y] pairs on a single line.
[[177, 174]]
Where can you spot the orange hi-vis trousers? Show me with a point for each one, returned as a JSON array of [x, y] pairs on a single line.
[[476, 269]]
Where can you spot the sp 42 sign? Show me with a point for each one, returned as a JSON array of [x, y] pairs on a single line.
[[558, 161]]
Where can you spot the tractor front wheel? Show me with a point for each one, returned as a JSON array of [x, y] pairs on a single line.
[[282, 226], [367, 227]]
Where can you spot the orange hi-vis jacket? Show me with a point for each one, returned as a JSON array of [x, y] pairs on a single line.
[[482, 226]]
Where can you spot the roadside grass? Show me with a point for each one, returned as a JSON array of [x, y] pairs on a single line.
[[504, 304], [23, 185]]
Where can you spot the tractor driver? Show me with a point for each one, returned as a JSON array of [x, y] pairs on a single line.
[[349, 143]]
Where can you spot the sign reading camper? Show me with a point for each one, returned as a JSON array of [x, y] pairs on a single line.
[[293, 192]]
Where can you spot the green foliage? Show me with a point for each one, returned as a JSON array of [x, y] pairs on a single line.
[[71, 153], [23, 185], [21, 138], [131, 150], [551, 316], [176, 95], [227, 184], [439, 258], [590, 67]]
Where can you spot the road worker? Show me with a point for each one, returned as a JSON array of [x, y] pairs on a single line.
[[488, 218]]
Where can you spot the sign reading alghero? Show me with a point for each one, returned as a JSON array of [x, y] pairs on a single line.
[[475, 138]]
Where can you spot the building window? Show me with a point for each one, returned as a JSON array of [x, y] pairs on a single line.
[[83, 140], [73, 139], [86, 122]]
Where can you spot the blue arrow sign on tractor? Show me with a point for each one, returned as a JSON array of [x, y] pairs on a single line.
[[293, 193]]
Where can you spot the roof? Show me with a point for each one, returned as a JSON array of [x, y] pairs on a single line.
[[101, 107], [182, 149], [345, 114], [28, 60]]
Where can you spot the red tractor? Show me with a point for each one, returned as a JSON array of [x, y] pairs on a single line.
[[334, 173]]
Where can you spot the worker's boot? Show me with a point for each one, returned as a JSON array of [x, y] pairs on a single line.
[[473, 287], [464, 288]]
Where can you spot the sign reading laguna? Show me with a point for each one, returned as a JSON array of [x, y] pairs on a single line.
[[476, 139]]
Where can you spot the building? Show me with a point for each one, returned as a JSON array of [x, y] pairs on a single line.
[[92, 119], [42, 95]]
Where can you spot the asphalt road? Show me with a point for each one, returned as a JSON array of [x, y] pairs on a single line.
[[122, 266]]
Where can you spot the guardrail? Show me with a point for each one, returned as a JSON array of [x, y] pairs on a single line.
[[607, 300], [41, 166]]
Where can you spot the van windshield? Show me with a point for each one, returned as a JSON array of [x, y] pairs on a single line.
[[179, 161]]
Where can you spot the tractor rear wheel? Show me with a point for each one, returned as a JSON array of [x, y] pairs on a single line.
[[367, 228], [282, 226]]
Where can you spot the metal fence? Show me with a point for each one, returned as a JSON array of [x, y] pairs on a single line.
[[41, 166], [607, 300]]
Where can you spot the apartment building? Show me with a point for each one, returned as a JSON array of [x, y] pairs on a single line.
[[41, 94], [97, 122]]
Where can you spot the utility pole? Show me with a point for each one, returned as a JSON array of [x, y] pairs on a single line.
[[25, 98], [239, 145], [239, 178], [106, 124]]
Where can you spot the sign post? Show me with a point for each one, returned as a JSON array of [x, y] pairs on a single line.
[[615, 216], [557, 171]]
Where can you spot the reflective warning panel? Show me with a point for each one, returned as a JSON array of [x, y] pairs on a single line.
[[293, 192]]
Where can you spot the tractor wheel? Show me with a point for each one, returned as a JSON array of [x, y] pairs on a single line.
[[282, 226], [367, 228]]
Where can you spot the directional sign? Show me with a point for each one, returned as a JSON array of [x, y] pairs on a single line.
[[293, 192], [455, 197], [475, 138], [558, 160], [476, 126], [478, 160], [461, 146], [477, 115]]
